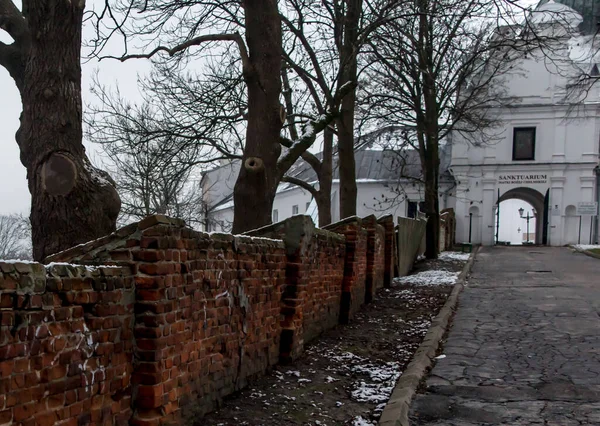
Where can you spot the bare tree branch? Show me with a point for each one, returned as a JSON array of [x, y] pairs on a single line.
[[302, 184]]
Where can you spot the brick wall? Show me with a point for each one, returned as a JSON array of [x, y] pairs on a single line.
[[449, 229], [207, 313], [65, 344], [355, 270], [375, 257], [156, 322], [314, 275], [389, 248]]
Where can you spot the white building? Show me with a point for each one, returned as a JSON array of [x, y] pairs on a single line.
[[547, 152], [387, 183]]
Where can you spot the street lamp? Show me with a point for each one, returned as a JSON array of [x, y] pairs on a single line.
[[527, 218]]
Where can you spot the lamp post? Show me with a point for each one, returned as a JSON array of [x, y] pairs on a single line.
[[527, 218]]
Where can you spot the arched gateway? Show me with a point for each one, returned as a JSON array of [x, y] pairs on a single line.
[[537, 200]]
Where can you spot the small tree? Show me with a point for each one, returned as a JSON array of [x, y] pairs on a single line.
[[15, 237]]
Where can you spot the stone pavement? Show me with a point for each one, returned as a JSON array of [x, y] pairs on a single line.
[[524, 347]]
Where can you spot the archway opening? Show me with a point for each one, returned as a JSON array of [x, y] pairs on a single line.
[[521, 217], [517, 222]]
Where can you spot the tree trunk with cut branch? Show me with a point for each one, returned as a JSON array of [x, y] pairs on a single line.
[[72, 202], [257, 182]]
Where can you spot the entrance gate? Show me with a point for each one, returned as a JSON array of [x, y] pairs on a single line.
[[539, 202]]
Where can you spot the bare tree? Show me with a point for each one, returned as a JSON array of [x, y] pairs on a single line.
[[260, 53], [322, 41], [15, 237], [441, 68], [152, 169], [72, 202]]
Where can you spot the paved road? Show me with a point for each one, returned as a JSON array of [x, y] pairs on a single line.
[[524, 348]]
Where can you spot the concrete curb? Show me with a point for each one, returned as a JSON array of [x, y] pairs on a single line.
[[586, 252], [396, 411]]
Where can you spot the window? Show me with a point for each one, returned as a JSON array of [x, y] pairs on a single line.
[[295, 209], [524, 143], [414, 207], [307, 206], [275, 216]]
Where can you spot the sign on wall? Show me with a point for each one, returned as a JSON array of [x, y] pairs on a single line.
[[524, 179], [586, 208]]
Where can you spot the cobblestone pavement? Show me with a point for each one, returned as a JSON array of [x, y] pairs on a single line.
[[524, 347]]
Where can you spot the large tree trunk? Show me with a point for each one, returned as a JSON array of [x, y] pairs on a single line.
[[257, 182], [432, 208], [431, 156], [345, 122], [72, 202], [325, 180]]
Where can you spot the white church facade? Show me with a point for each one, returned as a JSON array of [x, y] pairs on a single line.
[[546, 152]]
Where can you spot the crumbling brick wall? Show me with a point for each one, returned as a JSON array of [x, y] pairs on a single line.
[[390, 248], [207, 313], [314, 275], [375, 257], [157, 321], [355, 270], [66, 344]]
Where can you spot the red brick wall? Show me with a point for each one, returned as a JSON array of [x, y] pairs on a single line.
[[207, 313], [314, 275], [388, 225], [180, 320], [66, 344], [375, 257], [355, 270]]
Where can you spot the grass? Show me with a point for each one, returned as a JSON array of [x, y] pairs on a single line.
[[595, 251]]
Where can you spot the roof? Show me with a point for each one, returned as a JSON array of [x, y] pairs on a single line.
[[372, 165], [552, 12]]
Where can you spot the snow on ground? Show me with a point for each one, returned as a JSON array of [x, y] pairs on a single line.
[[586, 246], [433, 277], [361, 421], [453, 256]]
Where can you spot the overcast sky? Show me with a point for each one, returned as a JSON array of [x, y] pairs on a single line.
[[14, 194]]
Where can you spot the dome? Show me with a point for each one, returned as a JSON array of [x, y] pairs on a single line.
[[556, 13]]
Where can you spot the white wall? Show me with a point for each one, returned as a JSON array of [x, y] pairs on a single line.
[[373, 198]]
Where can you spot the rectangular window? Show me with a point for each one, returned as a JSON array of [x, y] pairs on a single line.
[[295, 209], [275, 216], [307, 206], [414, 207], [523, 143]]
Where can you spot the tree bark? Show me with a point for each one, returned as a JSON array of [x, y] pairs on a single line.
[[72, 202], [432, 207], [257, 182], [345, 122], [431, 164], [325, 179]]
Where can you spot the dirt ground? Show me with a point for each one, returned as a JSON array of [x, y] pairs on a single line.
[[346, 375]]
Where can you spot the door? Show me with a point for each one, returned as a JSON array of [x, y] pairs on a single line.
[[545, 220]]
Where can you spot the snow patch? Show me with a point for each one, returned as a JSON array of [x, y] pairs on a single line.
[[361, 421], [586, 246], [429, 278], [453, 256]]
